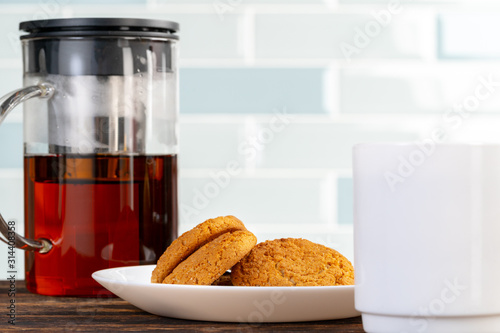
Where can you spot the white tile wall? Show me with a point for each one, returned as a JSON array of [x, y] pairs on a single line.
[[228, 4], [345, 35], [404, 88], [266, 201], [209, 145], [414, 87], [412, 2], [271, 203], [304, 143], [323, 145]]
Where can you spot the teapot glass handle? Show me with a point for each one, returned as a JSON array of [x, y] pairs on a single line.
[[43, 90]]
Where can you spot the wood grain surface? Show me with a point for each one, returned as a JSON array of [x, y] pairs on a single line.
[[36, 313]]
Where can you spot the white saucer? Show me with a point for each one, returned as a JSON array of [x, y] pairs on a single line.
[[228, 303]]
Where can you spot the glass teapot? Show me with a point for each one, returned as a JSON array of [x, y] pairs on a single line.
[[100, 148]]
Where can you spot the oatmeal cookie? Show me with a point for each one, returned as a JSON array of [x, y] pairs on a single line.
[[190, 241], [209, 262], [292, 262]]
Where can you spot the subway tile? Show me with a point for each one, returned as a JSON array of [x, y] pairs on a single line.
[[51, 4], [207, 36], [322, 145], [378, 34], [469, 35], [105, 2], [12, 79], [284, 2], [389, 89], [10, 46], [208, 145], [470, 127], [251, 90], [201, 35], [228, 5], [405, 2], [419, 88], [271, 207], [14, 12], [11, 145], [474, 88], [275, 202], [345, 194], [279, 144]]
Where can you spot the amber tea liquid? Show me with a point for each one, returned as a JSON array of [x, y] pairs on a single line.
[[99, 211]]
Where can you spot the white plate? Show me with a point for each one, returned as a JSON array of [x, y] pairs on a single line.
[[227, 303]]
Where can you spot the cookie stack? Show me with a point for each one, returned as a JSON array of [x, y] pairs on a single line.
[[203, 254]]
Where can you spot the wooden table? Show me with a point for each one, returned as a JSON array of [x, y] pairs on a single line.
[[72, 314]]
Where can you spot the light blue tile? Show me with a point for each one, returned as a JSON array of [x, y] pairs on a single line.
[[7, 2], [72, 2], [469, 35], [11, 79], [11, 145], [255, 90], [345, 193], [10, 46]]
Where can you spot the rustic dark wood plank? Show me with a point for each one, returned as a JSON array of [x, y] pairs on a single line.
[[74, 314]]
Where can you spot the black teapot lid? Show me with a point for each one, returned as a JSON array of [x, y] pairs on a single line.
[[79, 27], [95, 46]]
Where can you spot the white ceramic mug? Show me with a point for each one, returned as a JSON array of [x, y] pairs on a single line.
[[427, 237]]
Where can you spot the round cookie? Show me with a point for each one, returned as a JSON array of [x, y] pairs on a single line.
[[192, 240], [209, 262], [292, 262]]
